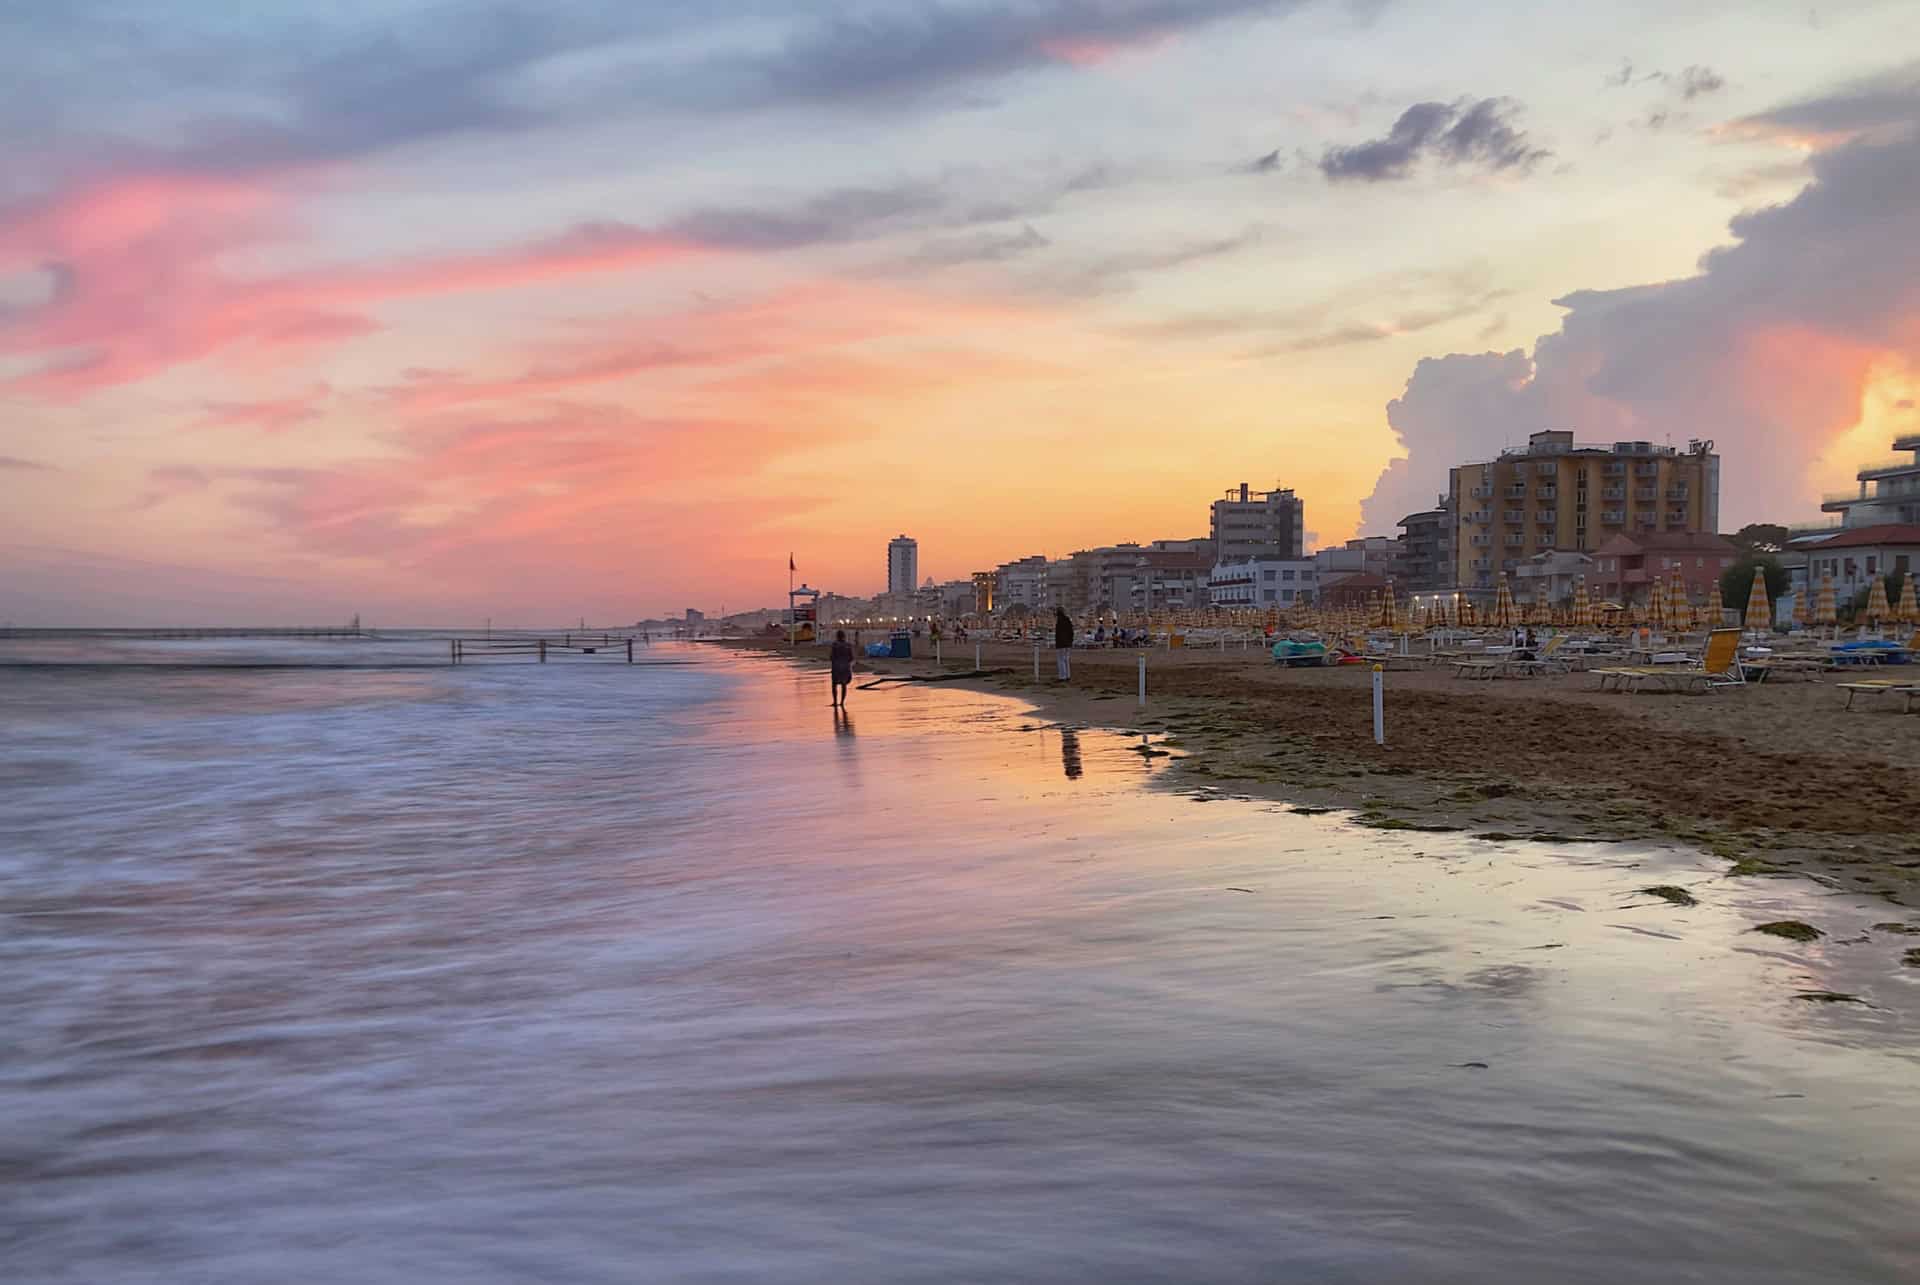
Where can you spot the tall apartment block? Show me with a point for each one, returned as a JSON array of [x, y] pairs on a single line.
[[1554, 494], [903, 565], [1250, 524]]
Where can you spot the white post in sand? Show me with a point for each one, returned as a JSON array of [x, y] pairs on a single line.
[[936, 653], [1036, 660], [1143, 678], [1379, 710], [976, 655]]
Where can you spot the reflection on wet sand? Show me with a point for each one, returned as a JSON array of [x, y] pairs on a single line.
[[1070, 753]]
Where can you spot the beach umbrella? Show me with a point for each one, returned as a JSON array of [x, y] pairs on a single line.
[[1802, 611], [1759, 610], [1582, 605], [1680, 608], [1390, 611], [1826, 611], [1655, 615], [1878, 609], [1910, 602]]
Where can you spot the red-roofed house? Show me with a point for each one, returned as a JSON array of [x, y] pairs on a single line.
[[1626, 565], [1854, 557]]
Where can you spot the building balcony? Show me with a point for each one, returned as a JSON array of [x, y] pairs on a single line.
[[1612, 517], [1547, 493], [1515, 515], [1648, 469], [1892, 466], [1515, 493], [1614, 468], [1516, 541], [1646, 494], [1481, 493], [1613, 493], [1676, 493]]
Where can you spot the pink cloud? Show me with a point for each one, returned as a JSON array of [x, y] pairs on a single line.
[[139, 284], [274, 415]]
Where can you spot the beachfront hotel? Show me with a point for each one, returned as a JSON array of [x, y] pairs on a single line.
[[1889, 490], [1554, 494], [1258, 524]]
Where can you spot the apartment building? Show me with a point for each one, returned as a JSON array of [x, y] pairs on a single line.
[[1557, 494], [1263, 582], [1258, 524]]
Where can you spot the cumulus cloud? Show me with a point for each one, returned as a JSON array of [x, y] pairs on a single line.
[[1766, 348], [1697, 81], [1465, 134]]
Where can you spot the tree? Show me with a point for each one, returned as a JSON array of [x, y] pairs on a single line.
[[1737, 582], [1761, 537]]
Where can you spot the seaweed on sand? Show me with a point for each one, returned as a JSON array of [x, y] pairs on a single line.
[[1668, 893], [1792, 930]]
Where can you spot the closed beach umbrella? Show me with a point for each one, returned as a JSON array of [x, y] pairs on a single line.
[[1878, 609], [1582, 605], [1389, 611], [1759, 610], [1656, 612], [1910, 602], [1681, 606], [1826, 610], [1503, 613], [1802, 612]]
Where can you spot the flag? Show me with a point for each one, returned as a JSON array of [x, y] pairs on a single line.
[[790, 565]]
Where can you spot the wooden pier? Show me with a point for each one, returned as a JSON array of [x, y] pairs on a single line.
[[613, 646]]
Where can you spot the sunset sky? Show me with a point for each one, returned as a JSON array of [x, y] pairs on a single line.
[[539, 311]]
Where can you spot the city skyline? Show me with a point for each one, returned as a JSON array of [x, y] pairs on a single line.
[[602, 313]]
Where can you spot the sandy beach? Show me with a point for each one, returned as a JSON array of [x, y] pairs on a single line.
[[1777, 778]]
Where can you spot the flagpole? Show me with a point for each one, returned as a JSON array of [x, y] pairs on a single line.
[[790, 600]]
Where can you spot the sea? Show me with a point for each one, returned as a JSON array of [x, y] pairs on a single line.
[[328, 961]]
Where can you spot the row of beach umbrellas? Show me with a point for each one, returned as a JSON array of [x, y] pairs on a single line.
[[1667, 609]]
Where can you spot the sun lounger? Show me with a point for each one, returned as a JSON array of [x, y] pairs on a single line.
[[1881, 687], [1719, 667], [1488, 669]]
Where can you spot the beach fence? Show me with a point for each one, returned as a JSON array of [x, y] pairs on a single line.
[[540, 648]]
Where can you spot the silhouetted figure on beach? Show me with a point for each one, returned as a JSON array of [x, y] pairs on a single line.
[[1070, 753], [1062, 644], [842, 659]]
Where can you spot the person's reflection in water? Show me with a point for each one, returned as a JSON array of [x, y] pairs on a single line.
[[842, 722], [1070, 752]]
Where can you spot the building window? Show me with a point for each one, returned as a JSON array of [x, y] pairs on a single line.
[[1286, 575], [1266, 595], [1268, 574], [1849, 568]]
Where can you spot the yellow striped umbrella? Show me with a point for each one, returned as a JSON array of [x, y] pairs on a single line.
[[1582, 605], [1802, 613], [1910, 602], [1656, 612], [1504, 615], [1390, 612], [1759, 611], [1826, 610], [1679, 606], [1878, 609]]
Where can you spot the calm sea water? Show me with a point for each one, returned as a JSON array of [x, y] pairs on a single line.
[[597, 973]]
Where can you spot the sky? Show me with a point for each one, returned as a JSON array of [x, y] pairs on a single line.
[[437, 312]]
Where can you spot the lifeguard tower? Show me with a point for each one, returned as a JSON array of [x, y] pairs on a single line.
[[802, 607]]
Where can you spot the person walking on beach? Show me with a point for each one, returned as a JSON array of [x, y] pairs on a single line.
[[842, 659], [1062, 643]]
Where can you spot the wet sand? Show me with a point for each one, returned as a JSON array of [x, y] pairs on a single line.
[[1776, 778]]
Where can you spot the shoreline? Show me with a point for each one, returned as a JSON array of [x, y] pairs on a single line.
[[1547, 758]]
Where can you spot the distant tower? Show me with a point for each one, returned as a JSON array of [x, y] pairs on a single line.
[[903, 565]]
